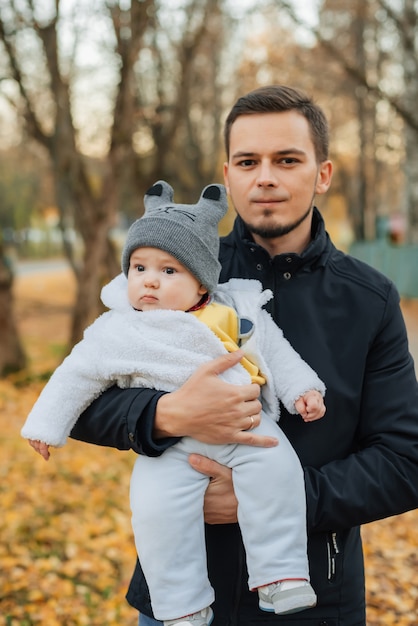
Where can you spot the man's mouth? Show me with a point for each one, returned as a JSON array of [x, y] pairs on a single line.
[[268, 200]]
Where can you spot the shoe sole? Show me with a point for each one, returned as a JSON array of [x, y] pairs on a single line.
[[286, 606], [209, 621]]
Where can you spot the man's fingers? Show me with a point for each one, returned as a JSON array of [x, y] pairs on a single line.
[[248, 438], [220, 505], [208, 467], [222, 363]]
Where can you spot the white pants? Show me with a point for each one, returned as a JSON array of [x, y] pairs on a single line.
[[167, 518]]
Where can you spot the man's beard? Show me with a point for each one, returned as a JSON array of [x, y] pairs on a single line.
[[272, 232]]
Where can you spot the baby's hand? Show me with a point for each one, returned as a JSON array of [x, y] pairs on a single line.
[[310, 406], [40, 447]]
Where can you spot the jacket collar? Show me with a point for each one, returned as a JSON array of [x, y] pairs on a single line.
[[316, 254]]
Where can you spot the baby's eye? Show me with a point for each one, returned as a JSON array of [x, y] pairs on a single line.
[[139, 268], [170, 270]]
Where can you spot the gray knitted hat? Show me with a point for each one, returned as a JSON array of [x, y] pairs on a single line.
[[187, 231]]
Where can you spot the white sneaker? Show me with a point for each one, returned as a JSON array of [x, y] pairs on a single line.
[[201, 618], [288, 596]]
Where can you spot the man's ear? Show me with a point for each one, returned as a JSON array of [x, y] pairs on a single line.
[[323, 181], [226, 181]]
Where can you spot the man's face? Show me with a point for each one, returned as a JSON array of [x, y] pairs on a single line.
[[272, 174]]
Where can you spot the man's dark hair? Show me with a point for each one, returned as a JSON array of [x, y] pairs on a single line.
[[277, 99]]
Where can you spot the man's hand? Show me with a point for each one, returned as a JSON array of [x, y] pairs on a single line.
[[40, 447], [220, 502], [211, 410]]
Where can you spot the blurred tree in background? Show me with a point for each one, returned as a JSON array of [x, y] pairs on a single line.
[[12, 357], [373, 44], [151, 125], [103, 98]]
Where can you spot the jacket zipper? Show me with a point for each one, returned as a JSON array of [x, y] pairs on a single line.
[[333, 551]]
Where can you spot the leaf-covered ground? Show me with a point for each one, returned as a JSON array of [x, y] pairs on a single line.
[[66, 547]]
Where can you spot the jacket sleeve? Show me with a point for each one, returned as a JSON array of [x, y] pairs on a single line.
[[123, 419], [380, 477]]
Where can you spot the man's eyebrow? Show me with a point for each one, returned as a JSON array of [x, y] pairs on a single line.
[[243, 154], [286, 151]]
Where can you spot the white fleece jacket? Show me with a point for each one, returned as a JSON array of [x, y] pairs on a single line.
[[160, 350]]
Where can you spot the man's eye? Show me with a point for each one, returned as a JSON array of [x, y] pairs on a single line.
[[246, 163], [289, 160]]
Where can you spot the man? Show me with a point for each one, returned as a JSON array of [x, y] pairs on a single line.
[[361, 459]]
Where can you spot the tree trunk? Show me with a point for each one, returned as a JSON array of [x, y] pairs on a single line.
[[12, 357], [410, 68], [93, 273]]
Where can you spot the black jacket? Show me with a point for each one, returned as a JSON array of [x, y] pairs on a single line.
[[360, 460]]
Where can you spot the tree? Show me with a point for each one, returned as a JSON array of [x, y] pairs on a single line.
[[91, 210], [405, 21], [162, 101], [180, 95], [12, 357], [385, 49]]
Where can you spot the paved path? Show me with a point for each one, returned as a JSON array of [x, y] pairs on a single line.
[[23, 268]]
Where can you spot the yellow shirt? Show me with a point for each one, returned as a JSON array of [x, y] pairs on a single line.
[[223, 321]]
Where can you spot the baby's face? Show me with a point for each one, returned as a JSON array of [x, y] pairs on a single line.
[[157, 280]]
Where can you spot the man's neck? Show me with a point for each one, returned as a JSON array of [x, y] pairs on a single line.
[[294, 242]]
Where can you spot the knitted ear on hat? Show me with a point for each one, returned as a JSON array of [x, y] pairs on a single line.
[[158, 195], [189, 232]]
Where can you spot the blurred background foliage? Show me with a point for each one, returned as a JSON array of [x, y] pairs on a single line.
[[100, 98]]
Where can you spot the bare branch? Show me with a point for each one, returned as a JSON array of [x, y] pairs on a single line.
[[405, 25], [29, 113], [354, 71]]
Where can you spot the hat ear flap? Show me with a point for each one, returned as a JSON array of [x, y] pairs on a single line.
[[160, 194], [213, 198], [211, 192]]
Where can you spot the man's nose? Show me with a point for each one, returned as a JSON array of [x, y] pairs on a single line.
[[266, 176]]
